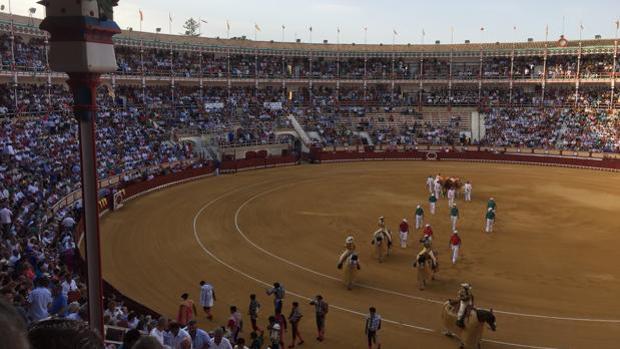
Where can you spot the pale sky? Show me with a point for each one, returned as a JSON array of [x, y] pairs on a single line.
[[408, 18]]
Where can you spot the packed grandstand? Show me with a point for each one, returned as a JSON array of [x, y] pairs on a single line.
[[241, 93]]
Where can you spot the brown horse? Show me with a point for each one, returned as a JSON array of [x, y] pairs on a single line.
[[448, 183], [350, 269], [382, 239], [470, 336]]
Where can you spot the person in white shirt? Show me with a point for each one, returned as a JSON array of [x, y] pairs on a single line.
[[40, 300], [437, 189], [5, 219], [159, 330], [451, 196], [219, 342], [15, 257], [430, 183], [467, 191], [179, 338], [207, 297], [68, 284], [68, 222]]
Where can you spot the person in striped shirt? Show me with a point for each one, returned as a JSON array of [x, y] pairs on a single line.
[[278, 295], [235, 323], [253, 310], [320, 308], [373, 325], [294, 318]]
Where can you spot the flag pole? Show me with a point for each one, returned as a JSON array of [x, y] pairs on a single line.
[[563, 25], [169, 23], [452, 35], [283, 27], [365, 35]]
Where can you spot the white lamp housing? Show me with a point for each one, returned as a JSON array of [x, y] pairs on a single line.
[[88, 50]]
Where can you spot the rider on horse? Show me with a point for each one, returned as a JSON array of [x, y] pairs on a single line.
[[466, 303], [383, 231], [350, 249], [426, 252]]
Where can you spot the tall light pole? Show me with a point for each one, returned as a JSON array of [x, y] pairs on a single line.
[[31, 11], [82, 47]]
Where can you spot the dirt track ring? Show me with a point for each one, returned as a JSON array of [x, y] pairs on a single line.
[[298, 295], [222, 231]]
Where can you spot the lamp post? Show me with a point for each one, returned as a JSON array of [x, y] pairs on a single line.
[[81, 45], [31, 12]]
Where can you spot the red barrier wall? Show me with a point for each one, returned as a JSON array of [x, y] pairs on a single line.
[[530, 159]]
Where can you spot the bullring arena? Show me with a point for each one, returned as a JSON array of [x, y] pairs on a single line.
[[141, 168], [250, 229]]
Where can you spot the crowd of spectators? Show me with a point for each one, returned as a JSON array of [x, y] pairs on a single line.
[[554, 128], [29, 54]]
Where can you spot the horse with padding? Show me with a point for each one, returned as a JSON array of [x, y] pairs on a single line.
[[475, 322]]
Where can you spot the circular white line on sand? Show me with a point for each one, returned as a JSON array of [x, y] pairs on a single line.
[[262, 282], [547, 317]]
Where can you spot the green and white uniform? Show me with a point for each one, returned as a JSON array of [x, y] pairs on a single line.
[[454, 216], [490, 216], [432, 201], [419, 217], [491, 204]]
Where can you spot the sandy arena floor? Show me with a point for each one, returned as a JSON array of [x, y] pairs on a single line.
[[549, 270]]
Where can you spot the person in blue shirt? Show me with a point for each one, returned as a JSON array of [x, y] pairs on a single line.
[[200, 338], [39, 300], [59, 302]]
